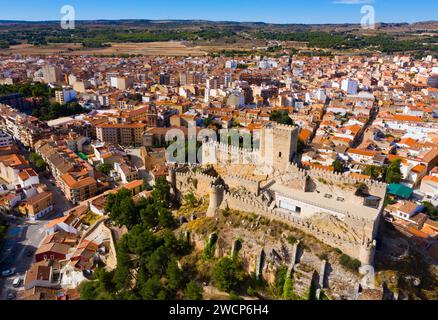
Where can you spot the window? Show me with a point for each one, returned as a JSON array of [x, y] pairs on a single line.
[[279, 154], [298, 209]]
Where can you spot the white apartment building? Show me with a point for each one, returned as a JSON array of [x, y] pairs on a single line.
[[349, 86], [5, 139], [65, 95]]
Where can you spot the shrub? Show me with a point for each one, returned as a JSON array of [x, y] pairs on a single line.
[[226, 212], [291, 239], [210, 247], [251, 291], [228, 274], [288, 289], [192, 291], [349, 263]]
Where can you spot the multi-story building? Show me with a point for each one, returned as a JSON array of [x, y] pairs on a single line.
[[73, 175], [349, 86], [5, 139], [65, 95], [121, 133], [51, 74], [78, 186], [10, 167], [125, 172], [37, 206], [122, 83]]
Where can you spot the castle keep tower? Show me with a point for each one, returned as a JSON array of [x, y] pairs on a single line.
[[278, 145]]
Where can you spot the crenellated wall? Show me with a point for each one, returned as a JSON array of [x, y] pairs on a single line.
[[198, 182], [245, 194], [214, 152], [361, 251], [236, 181]]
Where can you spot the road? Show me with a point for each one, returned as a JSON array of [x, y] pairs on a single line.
[[23, 236], [61, 203]]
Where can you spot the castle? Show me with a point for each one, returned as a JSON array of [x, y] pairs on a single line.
[[278, 147], [339, 210]]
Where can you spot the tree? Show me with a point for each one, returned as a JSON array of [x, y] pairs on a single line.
[[105, 168], [158, 260], [122, 208], [374, 171], [149, 215], [338, 166], [122, 274], [106, 279], [128, 213], [393, 172], [190, 200], [234, 296], [431, 210], [281, 116], [228, 274], [146, 185], [151, 289], [165, 218], [88, 291], [175, 276], [161, 192], [141, 241], [94, 290], [37, 161], [146, 253], [192, 291]]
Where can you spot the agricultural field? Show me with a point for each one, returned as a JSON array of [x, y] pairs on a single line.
[[169, 48]]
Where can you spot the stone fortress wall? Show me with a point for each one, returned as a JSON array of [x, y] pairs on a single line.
[[254, 196], [202, 183]]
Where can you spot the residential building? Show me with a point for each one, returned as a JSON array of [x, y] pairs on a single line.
[[37, 206], [65, 95], [121, 133]]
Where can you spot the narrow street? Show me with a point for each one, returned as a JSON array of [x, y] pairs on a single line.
[[25, 236]]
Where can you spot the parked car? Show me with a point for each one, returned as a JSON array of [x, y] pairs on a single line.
[[7, 273], [17, 282]]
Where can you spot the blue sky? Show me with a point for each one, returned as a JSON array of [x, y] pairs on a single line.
[[275, 11]]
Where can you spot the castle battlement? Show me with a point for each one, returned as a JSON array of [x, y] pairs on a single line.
[[280, 126], [379, 187]]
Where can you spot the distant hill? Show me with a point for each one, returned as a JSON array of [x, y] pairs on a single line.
[[420, 37], [241, 26]]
